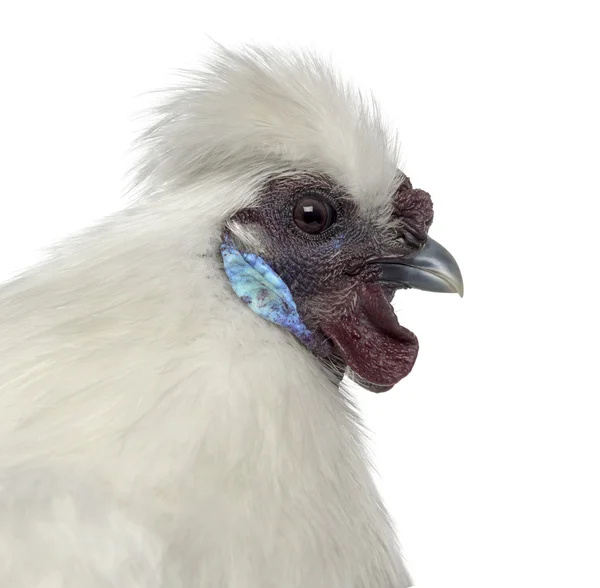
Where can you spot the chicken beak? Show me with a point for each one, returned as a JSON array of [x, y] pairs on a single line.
[[432, 268]]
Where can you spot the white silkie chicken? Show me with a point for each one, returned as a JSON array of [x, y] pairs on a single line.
[[171, 413]]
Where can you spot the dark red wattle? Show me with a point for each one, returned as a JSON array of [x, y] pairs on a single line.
[[370, 339]]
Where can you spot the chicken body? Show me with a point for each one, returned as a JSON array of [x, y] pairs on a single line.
[[154, 435], [157, 433]]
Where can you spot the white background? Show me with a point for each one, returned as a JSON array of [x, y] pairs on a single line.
[[489, 451]]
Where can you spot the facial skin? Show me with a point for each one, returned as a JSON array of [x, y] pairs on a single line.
[[321, 245]]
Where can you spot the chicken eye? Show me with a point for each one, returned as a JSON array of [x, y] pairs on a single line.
[[313, 215]]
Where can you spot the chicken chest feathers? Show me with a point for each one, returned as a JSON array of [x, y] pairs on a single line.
[[265, 293]]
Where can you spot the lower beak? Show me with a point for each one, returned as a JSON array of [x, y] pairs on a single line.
[[432, 268]]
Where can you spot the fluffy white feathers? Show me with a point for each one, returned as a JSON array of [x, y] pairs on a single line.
[[153, 432], [261, 112]]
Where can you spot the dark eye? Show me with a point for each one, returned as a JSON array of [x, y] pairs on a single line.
[[313, 214]]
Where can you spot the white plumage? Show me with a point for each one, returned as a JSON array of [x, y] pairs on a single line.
[[153, 431]]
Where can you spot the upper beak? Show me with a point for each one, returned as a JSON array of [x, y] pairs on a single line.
[[432, 268]]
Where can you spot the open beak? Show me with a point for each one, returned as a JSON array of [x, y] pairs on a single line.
[[432, 268]]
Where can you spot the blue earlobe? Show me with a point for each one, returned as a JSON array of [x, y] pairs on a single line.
[[263, 290]]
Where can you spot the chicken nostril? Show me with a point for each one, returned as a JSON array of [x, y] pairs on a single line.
[[410, 238], [354, 269]]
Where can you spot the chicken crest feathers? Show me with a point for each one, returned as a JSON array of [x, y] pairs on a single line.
[[257, 112]]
